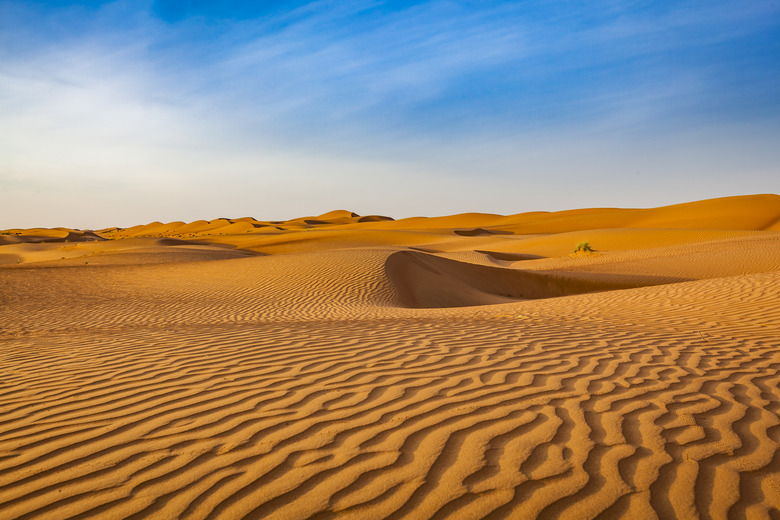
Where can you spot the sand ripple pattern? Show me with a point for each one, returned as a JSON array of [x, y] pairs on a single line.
[[313, 285], [519, 415]]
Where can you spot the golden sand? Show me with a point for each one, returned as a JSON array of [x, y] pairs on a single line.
[[346, 366]]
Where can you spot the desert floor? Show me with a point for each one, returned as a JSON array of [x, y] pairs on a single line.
[[340, 366]]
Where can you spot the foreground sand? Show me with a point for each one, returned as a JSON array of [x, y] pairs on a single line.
[[457, 367]]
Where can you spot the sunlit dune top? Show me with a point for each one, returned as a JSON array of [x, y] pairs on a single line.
[[750, 212]]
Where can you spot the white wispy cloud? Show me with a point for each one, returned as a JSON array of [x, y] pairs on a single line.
[[314, 109]]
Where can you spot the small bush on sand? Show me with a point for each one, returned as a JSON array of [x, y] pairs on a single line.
[[583, 247]]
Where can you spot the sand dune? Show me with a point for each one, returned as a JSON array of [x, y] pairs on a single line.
[[425, 280], [374, 218], [339, 368], [476, 232]]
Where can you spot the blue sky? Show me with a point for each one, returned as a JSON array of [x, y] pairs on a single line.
[[117, 113]]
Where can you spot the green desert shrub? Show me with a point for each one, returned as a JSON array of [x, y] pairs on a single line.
[[583, 247]]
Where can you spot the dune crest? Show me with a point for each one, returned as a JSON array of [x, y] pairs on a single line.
[[426, 280]]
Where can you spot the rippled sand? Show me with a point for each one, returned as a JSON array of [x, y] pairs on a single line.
[[340, 366]]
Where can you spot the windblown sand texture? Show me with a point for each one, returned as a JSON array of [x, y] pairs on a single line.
[[357, 367]]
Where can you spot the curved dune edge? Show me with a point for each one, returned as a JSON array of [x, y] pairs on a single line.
[[131, 251], [508, 257], [428, 281], [478, 232], [374, 218]]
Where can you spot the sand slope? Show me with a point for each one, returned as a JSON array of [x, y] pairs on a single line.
[[325, 370]]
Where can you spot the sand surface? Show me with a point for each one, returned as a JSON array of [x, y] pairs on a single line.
[[347, 366]]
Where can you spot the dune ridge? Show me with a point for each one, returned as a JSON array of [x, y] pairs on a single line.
[[426, 280], [391, 369]]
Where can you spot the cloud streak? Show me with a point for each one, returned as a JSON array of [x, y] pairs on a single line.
[[315, 107]]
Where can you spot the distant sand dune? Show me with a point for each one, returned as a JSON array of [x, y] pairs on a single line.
[[476, 232], [395, 369], [374, 218]]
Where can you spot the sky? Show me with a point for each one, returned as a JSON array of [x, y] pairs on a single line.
[[127, 112]]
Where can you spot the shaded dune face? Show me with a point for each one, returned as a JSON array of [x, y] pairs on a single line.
[[476, 232], [426, 281], [509, 257], [374, 218], [52, 236]]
